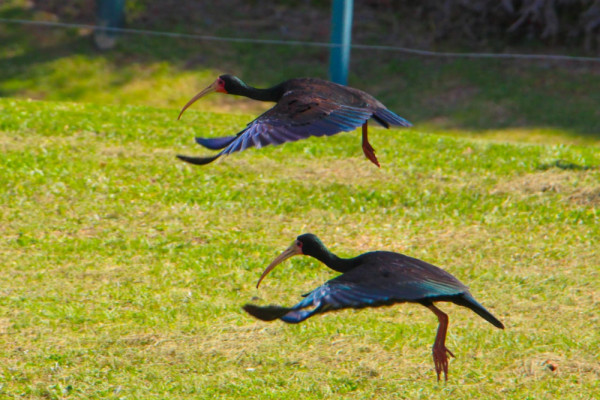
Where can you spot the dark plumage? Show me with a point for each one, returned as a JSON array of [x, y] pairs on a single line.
[[305, 107], [371, 280]]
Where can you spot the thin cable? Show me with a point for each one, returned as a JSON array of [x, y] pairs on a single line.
[[476, 55], [301, 43], [166, 34]]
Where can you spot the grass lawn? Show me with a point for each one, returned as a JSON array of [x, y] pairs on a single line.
[[124, 270]]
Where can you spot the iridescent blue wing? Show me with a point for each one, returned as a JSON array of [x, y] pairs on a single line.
[[216, 143], [386, 278], [298, 117], [386, 118]]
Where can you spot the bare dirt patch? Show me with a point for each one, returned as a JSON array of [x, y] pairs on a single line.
[[535, 183], [586, 196], [577, 187], [539, 182]]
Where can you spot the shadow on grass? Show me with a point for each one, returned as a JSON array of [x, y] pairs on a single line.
[[565, 165], [474, 95]]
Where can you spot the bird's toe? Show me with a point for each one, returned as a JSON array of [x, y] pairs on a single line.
[[370, 153], [440, 360]]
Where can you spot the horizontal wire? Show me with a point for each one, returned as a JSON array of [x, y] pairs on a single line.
[[477, 55], [166, 34], [407, 50]]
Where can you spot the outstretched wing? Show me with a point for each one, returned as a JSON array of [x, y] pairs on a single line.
[[385, 117], [298, 117]]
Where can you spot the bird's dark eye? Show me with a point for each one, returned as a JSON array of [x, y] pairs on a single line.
[[299, 243]]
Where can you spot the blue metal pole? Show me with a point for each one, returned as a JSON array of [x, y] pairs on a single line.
[[341, 35], [111, 14]]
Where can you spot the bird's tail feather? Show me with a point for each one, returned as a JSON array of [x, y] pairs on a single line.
[[469, 302], [266, 313], [216, 143], [198, 160], [391, 118]]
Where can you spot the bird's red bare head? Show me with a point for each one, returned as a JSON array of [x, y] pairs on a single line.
[[230, 84], [299, 245], [220, 85]]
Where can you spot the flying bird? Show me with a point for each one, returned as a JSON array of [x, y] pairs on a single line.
[[305, 107], [374, 279]]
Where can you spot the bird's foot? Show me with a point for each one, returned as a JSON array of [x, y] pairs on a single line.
[[440, 359], [370, 153]]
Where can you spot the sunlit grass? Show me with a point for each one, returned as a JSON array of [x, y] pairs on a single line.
[[124, 269]]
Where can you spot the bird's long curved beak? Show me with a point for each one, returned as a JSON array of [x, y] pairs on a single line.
[[212, 88], [291, 251]]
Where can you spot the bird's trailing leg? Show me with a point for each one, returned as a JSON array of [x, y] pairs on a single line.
[[367, 148], [440, 352]]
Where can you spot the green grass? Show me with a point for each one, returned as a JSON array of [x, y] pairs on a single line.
[[124, 270]]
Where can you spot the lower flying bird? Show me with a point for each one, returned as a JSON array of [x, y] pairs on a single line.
[[305, 107], [371, 280]]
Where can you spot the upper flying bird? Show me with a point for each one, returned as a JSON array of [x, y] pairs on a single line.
[[371, 280], [305, 107]]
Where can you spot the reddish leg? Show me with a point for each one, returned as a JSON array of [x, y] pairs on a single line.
[[367, 148], [440, 352]]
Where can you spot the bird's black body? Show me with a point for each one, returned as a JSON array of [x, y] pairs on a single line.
[[305, 107], [374, 279]]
